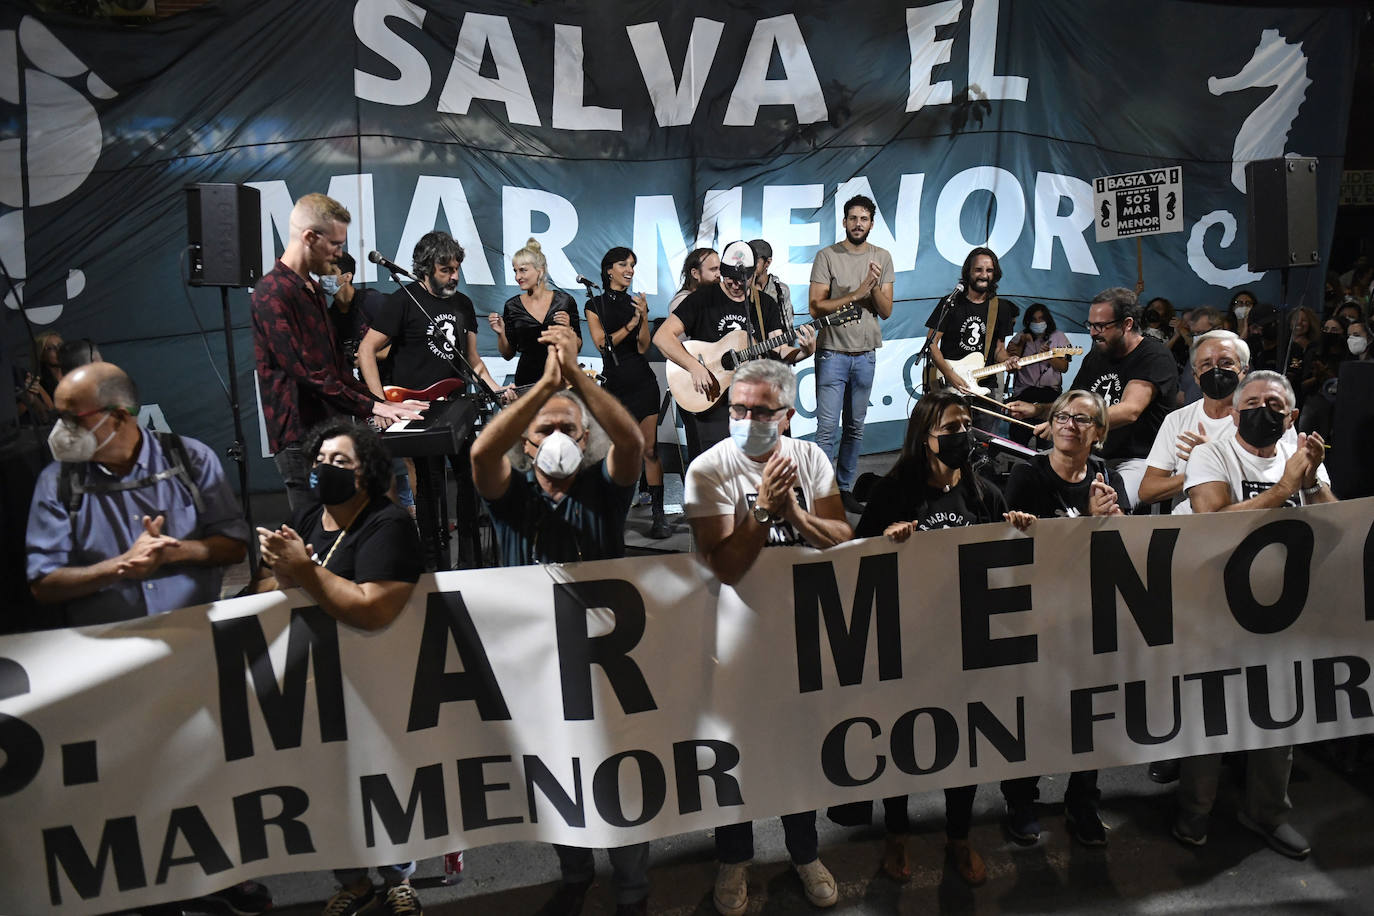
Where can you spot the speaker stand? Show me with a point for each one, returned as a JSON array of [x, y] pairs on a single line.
[[236, 450]]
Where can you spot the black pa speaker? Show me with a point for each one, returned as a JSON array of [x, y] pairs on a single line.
[[1282, 213], [1352, 431], [224, 223]]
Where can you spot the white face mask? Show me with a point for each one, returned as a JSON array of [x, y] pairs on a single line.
[[1037, 327], [559, 456], [754, 437], [76, 444], [1357, 345], [1242, 311]]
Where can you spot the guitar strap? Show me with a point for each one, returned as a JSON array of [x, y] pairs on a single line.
[[991, 330], [758, 314]]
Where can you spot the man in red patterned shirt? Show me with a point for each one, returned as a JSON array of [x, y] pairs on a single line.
[[304, 377]]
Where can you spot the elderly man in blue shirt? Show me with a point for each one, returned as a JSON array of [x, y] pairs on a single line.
[[126, 522]]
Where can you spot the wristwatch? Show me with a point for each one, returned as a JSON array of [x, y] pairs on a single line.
[[763, 516]]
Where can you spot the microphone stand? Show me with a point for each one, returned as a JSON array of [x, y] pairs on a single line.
[[609, 349], [945, 305]]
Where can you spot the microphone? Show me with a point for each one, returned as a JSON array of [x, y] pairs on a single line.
[[376, 258], [954, 293], [587, 283]]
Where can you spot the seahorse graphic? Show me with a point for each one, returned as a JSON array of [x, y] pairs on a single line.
[[1264, 133], [59, 145]]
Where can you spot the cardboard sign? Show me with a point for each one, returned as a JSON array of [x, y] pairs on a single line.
[[1138, 203]]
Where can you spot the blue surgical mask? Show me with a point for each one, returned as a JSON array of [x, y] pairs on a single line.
[[1037, 327], [330, 284], [754, 437]]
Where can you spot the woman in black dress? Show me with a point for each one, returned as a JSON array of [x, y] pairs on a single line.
[[933, 485], [529, 314], [619, 325]]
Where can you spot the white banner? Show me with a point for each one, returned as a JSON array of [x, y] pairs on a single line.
[[612, 702]]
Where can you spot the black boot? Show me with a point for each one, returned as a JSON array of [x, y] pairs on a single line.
[[660, 529]]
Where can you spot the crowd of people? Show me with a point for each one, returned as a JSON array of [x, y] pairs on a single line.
[[1194, 410]]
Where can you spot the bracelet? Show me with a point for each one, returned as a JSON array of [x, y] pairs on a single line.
[[1312, 490]]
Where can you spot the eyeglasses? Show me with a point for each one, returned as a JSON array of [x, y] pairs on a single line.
[[741, 411], [1096, 326], [70, 418], [1224, 363], [336, 246], [1077, 419]]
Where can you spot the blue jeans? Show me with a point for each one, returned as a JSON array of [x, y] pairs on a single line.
[[843, 381]]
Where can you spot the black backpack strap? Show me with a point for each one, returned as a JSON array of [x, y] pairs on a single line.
[[71, 486], [181, 464]]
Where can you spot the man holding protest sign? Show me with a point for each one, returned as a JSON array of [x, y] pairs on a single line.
[[557, 495], [759, 488], [1253, 469]]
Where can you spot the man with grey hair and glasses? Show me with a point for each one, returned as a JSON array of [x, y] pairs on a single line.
[[761, 488]]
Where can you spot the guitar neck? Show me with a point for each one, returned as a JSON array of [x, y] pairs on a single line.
[[788, 337], [1025, 361]]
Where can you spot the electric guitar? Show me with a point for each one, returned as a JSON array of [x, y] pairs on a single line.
[[970, 368], [724, 356]]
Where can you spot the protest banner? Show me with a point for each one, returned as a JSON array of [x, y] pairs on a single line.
[[611, 702]]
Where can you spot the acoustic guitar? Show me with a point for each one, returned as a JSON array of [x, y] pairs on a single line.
[[725, 355]]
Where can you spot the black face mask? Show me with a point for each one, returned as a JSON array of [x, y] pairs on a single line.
[[954, 448], [1333, 341], [332, 485], [1218, 383], [1260, 426]]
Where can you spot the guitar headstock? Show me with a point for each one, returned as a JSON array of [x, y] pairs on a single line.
[[850, 312]]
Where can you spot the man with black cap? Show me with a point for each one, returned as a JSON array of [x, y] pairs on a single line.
[[709, 314], [770, 284]]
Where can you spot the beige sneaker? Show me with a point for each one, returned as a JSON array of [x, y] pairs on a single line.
[[818, 883], [731, 896]]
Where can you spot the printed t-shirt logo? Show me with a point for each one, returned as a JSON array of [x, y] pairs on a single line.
[[442, 334]]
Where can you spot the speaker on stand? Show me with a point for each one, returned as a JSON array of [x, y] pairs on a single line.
[[1281, 226], [224, 228]]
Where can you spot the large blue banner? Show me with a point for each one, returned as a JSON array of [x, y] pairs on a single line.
[[659, 125]]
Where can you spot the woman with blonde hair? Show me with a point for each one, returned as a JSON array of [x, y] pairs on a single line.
[[1066, 482], [531, 313]]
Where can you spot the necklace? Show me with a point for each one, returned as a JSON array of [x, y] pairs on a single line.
[[325, 562]]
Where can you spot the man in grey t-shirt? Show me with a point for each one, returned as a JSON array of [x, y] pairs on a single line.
[[850, 272]]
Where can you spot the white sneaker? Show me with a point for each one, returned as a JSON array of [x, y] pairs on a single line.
[[731, 896], [818, 883]]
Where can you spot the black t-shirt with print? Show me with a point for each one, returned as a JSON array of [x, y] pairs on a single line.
[[1151, 362], [895, 500], [965, 328], [426, 340], [1036, 488], [708, 315]]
